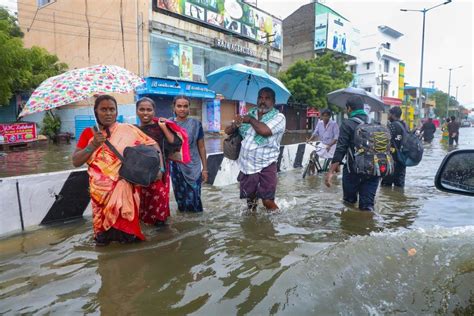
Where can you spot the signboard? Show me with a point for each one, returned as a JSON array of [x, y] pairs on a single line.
[[17, 133], [231, 15], [312, 112], [186, 62], [235, 48], [336, 33], [320, 31], [214, 115], [340, 36], [175, 87], [401, 80]]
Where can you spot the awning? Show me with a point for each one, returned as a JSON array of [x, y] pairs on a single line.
[[172, 87], [392, 101]]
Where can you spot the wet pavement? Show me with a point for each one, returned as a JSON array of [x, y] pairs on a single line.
[[414, 256]]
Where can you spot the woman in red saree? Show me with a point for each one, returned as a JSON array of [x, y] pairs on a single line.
[[154, 199], [115, 201]]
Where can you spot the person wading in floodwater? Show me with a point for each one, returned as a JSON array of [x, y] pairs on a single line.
[[361, 176], [114, 200], [262, 130]]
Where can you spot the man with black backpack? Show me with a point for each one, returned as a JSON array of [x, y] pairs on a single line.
[[367, 147], [397, 130]]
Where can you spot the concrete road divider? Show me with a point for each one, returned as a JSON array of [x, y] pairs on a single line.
[[57, 197]]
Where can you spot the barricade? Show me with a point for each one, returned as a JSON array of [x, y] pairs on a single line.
[[58, 197]]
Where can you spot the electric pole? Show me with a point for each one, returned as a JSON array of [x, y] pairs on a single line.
[[267, 45]]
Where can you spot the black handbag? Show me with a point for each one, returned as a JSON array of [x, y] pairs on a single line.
[[140, 164], [232, 145]]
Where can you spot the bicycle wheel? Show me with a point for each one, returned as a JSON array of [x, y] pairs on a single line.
[[306, 169]]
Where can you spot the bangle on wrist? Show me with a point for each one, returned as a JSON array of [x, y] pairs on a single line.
[[205, 171], [88, 149]]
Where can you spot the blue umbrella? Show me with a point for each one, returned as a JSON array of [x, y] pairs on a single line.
[[240, 82], [339, 98]]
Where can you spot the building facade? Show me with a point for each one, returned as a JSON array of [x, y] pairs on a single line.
[[314, 29], [172, 44], [378, 65]]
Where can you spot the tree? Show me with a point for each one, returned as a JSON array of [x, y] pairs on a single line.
[[22, 69], [309, 81], [441, 100]]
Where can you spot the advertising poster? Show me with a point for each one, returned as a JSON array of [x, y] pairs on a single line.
[[341, 36], [401, 81], [243, 108], [320, 31], [214, 115], [17, 133], [172, 54], [185, 62], [232, 15]]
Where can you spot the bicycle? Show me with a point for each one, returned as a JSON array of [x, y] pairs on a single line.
[[314, 166]]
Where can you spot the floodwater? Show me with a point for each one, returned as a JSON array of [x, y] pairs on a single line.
[[413, 256]]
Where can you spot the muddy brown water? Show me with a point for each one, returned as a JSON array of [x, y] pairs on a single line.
[[315, 257]]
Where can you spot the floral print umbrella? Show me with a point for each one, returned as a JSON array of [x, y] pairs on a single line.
[[80, 84]]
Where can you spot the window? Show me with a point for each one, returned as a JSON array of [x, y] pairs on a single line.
[[386, 45], [367, 66], [393, 93], [386, 65], [353, 68], [394, 70], [185, 61], [368, 89], [42, 3]]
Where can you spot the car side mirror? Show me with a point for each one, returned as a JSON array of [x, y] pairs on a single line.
[[456, 173]]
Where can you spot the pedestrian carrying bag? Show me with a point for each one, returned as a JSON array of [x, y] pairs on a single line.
[[411, 148], [232, 145], [140, 164], [372, 155]]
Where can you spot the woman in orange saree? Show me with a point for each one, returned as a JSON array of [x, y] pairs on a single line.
[[115, 201]]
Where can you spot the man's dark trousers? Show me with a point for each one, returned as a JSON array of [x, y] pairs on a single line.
[[397, 178], [360, 187]]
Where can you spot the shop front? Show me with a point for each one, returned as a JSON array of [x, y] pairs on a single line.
[[163, 91], [187, 63]]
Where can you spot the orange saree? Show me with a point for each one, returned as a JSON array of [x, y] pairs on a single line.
[[115, 201]]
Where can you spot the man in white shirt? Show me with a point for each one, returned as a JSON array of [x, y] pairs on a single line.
[[262, 130]]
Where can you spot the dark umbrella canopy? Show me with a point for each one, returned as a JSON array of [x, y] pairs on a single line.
[[339, 98]]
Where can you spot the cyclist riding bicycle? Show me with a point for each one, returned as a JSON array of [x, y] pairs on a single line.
[[327, 131]]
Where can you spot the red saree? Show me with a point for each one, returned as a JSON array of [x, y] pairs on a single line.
[[154, 199]]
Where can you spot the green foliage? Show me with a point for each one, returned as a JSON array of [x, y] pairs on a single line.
[[441, 100], [309, 81], [22, 69], [51, 125], [9, 24]]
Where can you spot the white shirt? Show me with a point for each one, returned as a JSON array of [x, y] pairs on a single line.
[[254, 157]]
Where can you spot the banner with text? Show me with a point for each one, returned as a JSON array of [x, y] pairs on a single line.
[[232, 15], [17, 133]]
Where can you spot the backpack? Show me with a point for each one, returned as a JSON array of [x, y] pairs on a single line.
[[411, 148], [372, 155]]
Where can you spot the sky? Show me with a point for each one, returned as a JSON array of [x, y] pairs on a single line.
[[448, 36]]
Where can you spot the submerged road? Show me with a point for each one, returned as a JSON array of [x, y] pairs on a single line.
[[414, 255]]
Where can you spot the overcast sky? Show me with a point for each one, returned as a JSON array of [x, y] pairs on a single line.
[[448, 36]]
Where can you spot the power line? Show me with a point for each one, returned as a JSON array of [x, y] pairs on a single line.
[[69, 12], [77, 25]]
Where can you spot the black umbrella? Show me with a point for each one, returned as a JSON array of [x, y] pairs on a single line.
[[339, 98]]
